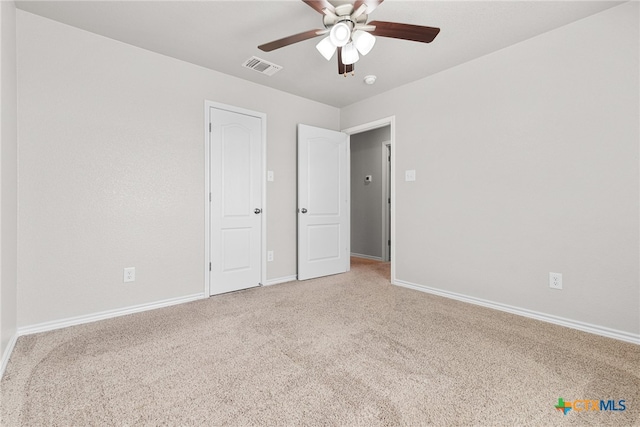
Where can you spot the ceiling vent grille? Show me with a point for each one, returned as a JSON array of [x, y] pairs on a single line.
[[261, 66]]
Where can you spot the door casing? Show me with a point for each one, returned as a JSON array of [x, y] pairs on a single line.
[[207, 188], [386, 202]]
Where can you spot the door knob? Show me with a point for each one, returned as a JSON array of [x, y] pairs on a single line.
[[257, 211], [303, 210]]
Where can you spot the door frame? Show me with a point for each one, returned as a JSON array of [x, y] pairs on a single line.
[[391, 122], [207, 188], [386, 205]]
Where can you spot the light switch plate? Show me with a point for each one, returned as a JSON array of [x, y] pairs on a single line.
[[410, 175], [269, 175]]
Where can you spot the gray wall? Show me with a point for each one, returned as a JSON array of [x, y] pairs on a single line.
[[8, 176], [367, 199], [526, 160], [527, 163], [112, 171]]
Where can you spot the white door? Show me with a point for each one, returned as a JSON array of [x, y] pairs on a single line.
[[236, 201], [323, 205]]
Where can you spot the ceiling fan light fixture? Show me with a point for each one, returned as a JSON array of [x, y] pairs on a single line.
[[349, 54], [350, 33], [364, 41], [340, 34], [326, 48]]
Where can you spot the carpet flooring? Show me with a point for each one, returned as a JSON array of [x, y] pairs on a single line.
[[348, 350]]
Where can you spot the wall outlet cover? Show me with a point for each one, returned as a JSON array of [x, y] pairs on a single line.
[[555, 280], [129, 274]]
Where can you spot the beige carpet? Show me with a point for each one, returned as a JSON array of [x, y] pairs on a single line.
[[348, 350]]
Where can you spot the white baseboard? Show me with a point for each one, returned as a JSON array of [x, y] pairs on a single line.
[[375, 258], [94, 317], [569, 323], [7, 354], [279, 280]]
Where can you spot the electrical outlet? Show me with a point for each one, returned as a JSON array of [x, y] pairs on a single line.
[[555, 280], [270, 256], [129, 274]]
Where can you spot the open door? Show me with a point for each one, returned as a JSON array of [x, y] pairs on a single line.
[[323, 202]]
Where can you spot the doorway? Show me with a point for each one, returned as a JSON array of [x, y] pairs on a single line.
[[370, 198], [323, 179], [386, 194]]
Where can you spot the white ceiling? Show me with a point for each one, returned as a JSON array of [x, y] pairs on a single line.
[[221, 35]]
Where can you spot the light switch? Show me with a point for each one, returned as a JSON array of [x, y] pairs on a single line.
[[410, 175], [269, 175]]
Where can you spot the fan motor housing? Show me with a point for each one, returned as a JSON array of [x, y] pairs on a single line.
[[343, 14]]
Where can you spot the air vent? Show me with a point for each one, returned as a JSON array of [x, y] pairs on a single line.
[[262, 66]]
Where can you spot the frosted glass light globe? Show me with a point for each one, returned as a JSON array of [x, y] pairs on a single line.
[[340, 34]]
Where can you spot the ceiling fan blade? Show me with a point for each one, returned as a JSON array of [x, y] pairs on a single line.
[[320, 5], [286, 41], [416, 33], [371, 4], [342, 68]]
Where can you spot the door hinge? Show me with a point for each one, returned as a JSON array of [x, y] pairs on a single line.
[[209, 127], [389, 242], [389, 200], [209, 196], [209, 266]]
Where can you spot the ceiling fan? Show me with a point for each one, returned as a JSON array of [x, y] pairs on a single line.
[[349, 34]]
